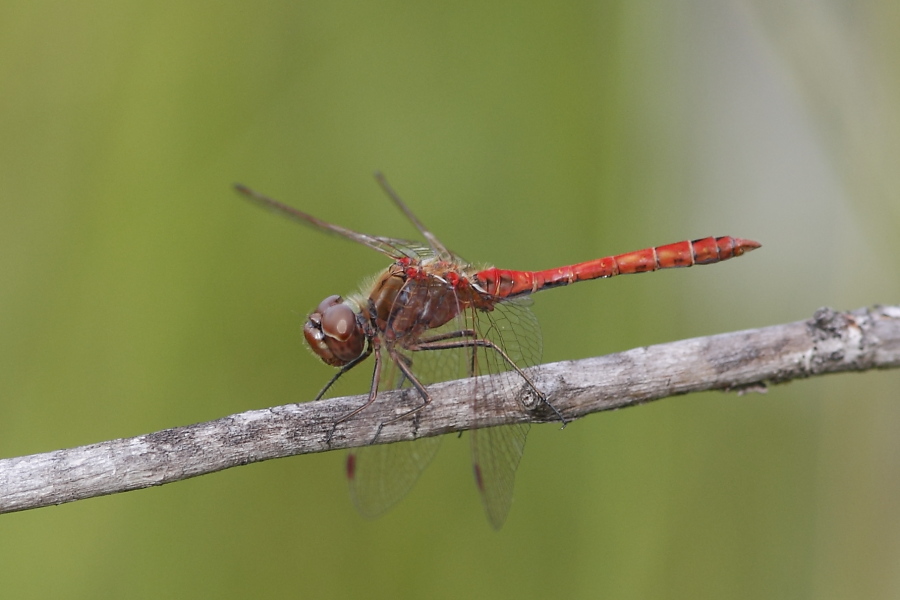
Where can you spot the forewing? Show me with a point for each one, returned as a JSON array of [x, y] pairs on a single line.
[[393, 248]]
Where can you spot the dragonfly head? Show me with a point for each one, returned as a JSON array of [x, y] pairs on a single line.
[[335, 333]]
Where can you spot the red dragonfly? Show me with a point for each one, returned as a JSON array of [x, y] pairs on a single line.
[[432, 316]]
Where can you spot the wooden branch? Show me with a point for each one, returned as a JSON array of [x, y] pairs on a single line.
[[830, 342]]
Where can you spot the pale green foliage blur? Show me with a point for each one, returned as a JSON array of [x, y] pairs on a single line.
[[138, 292]]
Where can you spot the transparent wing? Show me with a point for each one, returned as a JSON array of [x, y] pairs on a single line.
[[393, 248], [496, 451], [499, 342], [380, 476], [383, 474]]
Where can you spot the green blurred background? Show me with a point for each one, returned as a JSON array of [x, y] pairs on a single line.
[[137, 292]]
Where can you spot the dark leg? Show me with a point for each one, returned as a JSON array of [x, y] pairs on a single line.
[[404, 364], [343, 370], [373, 390], [440, 343], [449, 335], [452, 335]]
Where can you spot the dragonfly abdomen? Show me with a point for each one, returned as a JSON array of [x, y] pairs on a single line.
[[506, 283]]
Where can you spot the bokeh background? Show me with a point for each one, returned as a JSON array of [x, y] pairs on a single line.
[[137, 292]]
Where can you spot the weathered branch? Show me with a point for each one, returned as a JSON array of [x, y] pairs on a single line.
[[830, 342]]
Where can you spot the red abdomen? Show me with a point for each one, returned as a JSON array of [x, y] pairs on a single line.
[[505, 283]]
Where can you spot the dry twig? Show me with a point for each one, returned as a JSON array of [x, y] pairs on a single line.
[[830, 342]]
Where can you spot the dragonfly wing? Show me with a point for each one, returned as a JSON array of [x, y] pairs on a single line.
[[496, 451], [380, 476], [393, 248]]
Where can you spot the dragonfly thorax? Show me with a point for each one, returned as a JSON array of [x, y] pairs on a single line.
[[413, 297], [335, 332]]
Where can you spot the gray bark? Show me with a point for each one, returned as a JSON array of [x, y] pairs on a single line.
[[830, 342]]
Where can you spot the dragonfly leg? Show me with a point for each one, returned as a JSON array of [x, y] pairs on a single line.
[[449, 335], [373, 391], [405, 366], [408, 362], [453, 335], [342, 370], [466, 338]]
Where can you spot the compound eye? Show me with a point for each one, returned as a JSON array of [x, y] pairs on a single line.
[[338, 321], [327, 303]]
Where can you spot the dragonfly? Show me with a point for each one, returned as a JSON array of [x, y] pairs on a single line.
[[432, 316]]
